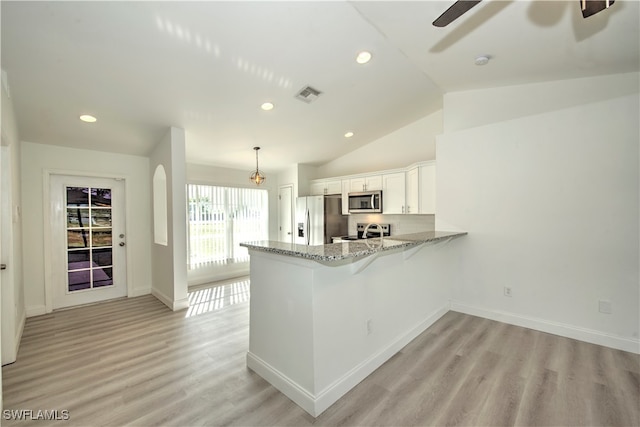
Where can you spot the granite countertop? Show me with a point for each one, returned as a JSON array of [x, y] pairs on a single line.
[[350, 249]]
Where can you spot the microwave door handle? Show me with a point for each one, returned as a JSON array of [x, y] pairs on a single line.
[[373, 201]]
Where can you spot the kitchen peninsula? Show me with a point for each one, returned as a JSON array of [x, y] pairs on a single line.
[[324, 317]]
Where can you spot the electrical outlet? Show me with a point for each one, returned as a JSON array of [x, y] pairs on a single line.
[[369, 327], [507, 291], [604, 307]]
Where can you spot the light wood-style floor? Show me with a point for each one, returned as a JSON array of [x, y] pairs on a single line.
[[134, 362]]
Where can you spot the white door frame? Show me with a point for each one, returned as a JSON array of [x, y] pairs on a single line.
[[292, 214], [48, 231]]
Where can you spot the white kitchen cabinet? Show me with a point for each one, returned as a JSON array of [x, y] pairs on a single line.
[[405, 191], [428, 188], [356, 184], [412, 205], [321, 187], [345, 196], [333, 187], [366, 183], [393, 193]]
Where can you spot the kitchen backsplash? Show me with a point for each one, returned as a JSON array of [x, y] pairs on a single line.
[[400, 224]]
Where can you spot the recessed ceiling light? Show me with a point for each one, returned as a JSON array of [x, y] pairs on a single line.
[[482, 60], [363, 57], [348, 134], [88, 118], [267, 106]]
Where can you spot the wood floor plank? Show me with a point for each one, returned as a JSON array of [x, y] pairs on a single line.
[[135, 362]]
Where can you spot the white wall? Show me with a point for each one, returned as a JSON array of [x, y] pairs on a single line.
[[474, 108], [299, 176], [289, 176], [401, 148], [551, 204], [219, 176], [38, 158], [169, 261]]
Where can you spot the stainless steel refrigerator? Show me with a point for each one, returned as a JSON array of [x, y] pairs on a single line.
[[319, 218]]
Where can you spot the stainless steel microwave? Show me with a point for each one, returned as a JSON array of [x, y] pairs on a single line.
[[365, 202]]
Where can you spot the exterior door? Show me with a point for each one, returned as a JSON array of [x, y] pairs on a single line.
[[88, 236]]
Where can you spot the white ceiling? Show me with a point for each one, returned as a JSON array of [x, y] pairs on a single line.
[[208, 66]]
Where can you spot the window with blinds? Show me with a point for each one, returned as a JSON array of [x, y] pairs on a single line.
[[220, 218]]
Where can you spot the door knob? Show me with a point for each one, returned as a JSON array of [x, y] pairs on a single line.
[[121, 243], [3, 266]]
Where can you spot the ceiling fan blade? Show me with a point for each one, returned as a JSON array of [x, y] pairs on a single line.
[[454, 12], [591, 7]]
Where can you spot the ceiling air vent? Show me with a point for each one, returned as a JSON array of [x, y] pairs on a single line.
[[308, 94]]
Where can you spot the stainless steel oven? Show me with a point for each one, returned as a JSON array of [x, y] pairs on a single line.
[[365, 202]]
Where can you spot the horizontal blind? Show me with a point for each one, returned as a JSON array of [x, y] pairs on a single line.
[[220, 218]]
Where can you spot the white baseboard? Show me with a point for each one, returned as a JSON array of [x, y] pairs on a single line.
[[139, 292], [163, 298], [35, 310], [181, 304], [169, 302], [556, 328], [316, 404], [339, 388], [19, 331], [289, 388], [194, 280]]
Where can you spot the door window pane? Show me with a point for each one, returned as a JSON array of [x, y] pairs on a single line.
[[101, 217], [102, 257], [79, 280], [77, 196], [78, 238], [79, 259], [101, 197], [77, 217], [101, 237], [102, 277]]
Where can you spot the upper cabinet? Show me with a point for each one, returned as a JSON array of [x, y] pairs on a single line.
[[321, 186], [413, 191], [393, 193], [365, 183], [345, 196]]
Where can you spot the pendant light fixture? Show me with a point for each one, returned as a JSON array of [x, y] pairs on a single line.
[[257, 177]]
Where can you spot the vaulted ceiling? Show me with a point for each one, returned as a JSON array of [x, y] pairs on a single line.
[[207, 67]]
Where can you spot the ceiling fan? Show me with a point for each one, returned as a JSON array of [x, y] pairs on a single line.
[[460, 7]]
